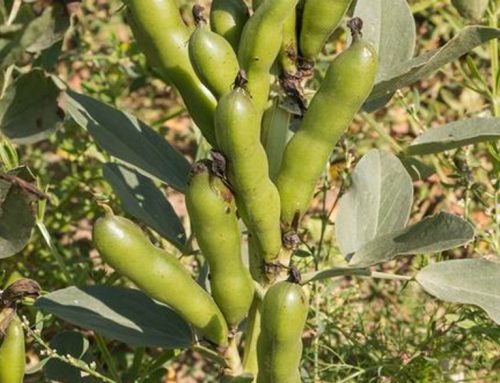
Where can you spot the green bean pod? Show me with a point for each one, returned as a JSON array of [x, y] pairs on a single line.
[[123, 246], [212, 212], [346, 86], [260, 45], [237, 123], [227, 18], [162, 35], [319, 21], [12, 353], [213, 59], [289, 46], [471, 9], [279, 348]]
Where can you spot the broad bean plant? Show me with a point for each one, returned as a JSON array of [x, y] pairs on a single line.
[[271, 108]]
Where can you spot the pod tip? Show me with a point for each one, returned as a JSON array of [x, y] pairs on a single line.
[[356, 26]]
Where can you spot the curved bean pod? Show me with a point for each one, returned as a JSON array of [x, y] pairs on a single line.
[[348, 82], [124, 246], [260, 45], [319, 21], [227, 18], [212, 212], [12, 353], [237, 124], [279, 348], [162, 35]]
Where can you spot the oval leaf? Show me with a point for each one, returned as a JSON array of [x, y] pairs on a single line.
[[128, 139], [29, 110], [469, 281], [142, 199], [378, 201], [118, 313], [58, 23], [422, 66], [455, 135], [27, 29], [16, 221], [390, 26], [432, 234]]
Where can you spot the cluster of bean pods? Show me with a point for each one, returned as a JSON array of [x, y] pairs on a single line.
[[225, 70]]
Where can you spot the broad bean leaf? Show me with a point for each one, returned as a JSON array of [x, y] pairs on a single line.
[[58, 24], [25, 31], [437, 233], [29, 110], [142, 199], [390, 27], [128, 139], [455, 135], [16, 219], [377, 202], [68, 343], [123, 314], [422, 66], [469, 281], [417, 169], [334, 272]]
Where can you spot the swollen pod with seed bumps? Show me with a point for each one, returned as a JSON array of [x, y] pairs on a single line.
[[237, 124], [212, 213], [347, 83], [279, 348], [12, 353], [212, 57], [227, 18], [162, 35], [260, 44], [319, 21], [124, 246]]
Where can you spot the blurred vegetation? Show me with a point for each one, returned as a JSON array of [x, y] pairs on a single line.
[[359, 330]]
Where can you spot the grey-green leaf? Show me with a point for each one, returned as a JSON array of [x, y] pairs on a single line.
[[422, 66], [29, 110], [455, 135], [16, 222], [433, 234], [118, 313], [390, 27], [471, 9], [469, 281], [378, 201], [142, 199], [128, 139], [58, 23], [28, 30]]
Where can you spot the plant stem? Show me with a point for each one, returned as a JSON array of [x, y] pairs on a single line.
[[381, 131], [101, 344], [379, 275], [14, 11], [54, 251], [317, 323], [495, 66], [232, 358], [80, 364]]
